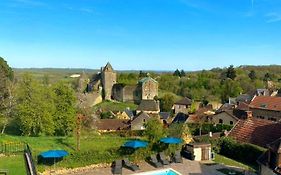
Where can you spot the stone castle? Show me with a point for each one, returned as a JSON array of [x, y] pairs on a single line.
[[105, 82]]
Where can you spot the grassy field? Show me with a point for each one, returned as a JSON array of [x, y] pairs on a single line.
[[227, 161], [14, 164], [115, 106], [94, 149]]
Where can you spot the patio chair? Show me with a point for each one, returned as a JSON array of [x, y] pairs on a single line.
[[117, 167], [163, 159], [129, 165], [177, 157], [154, 161]]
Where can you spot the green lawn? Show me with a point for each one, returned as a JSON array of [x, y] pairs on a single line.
[[227, 161], [94, 149], [14, 164], [115, 106]]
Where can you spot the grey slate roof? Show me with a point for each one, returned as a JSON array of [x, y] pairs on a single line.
[[140, 118], [108, 67], [262, 92], [180, 118], [129, 113], [148, 105], [244, 98], [164, 115], [184, 101]]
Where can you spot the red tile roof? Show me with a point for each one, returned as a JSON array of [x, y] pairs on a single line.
[[256, 131], [266, 102], [243, 106]]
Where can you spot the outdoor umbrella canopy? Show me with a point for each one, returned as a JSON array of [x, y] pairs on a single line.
[[171, 140], [54, 154], [136, 144]]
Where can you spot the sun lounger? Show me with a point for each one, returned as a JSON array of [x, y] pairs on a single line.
[[155, 162], [117, 167], [177, 157], [163, 159], [129, 165]]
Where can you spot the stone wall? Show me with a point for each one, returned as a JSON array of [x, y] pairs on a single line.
[[149, 90], [117, 92], [108, 80], [126, 93], [266, 114]]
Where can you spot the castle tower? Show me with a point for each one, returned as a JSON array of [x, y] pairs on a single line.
[[108, 79], [149, 88]]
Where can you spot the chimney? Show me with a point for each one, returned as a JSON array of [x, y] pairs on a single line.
[[249, 114]]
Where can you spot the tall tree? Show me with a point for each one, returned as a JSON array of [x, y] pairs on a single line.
[[252, 75], [34, 108], [230, 88], [65, 112], [6, 93], [143, 74], [154, 130], [231, 73], [8, 104], [267, 77], [177, 73], [166, 102], [182, 74], [6, 75]]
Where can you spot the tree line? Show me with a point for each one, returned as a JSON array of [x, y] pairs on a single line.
[[36, 108]]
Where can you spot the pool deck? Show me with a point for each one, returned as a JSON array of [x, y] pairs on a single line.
[[186, 168]]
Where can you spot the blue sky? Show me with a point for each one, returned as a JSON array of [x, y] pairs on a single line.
[[140, 34]]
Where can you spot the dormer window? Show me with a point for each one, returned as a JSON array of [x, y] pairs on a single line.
[[263, 105]]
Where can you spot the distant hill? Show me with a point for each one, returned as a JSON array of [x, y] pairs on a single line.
[[56, 70]]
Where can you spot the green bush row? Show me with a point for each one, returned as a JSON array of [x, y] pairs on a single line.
[[207, 127], [243, 152]]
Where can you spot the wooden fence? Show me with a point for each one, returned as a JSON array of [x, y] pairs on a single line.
[[12, 147]]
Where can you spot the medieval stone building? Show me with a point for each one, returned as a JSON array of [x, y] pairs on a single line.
[[105, 82], [108, 79]]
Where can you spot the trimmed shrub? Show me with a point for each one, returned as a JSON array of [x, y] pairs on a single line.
[[207, 127], [242, 152]]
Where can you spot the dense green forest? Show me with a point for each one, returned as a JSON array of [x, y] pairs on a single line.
[[217, 84]]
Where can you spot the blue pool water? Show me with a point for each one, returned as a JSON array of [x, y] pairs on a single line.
[[167, 172], [160, 172]]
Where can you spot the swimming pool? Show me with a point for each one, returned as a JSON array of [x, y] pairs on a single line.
[[169, 171]]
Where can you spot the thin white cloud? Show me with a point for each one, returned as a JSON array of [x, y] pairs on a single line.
[[273, 17], [78, 9], [30, 2], [86, 10]]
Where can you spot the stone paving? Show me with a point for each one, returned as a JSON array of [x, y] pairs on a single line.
[[186, 168]]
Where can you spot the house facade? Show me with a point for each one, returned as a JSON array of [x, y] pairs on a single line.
[[266, 107], [182, 105], [138, 123], [224, 117]]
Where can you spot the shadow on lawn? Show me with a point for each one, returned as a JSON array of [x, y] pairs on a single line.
[[63, 141]]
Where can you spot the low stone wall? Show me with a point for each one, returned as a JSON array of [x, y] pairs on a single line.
[[65, 171]]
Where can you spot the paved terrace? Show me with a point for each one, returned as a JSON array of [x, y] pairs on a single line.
[[186, 168]]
